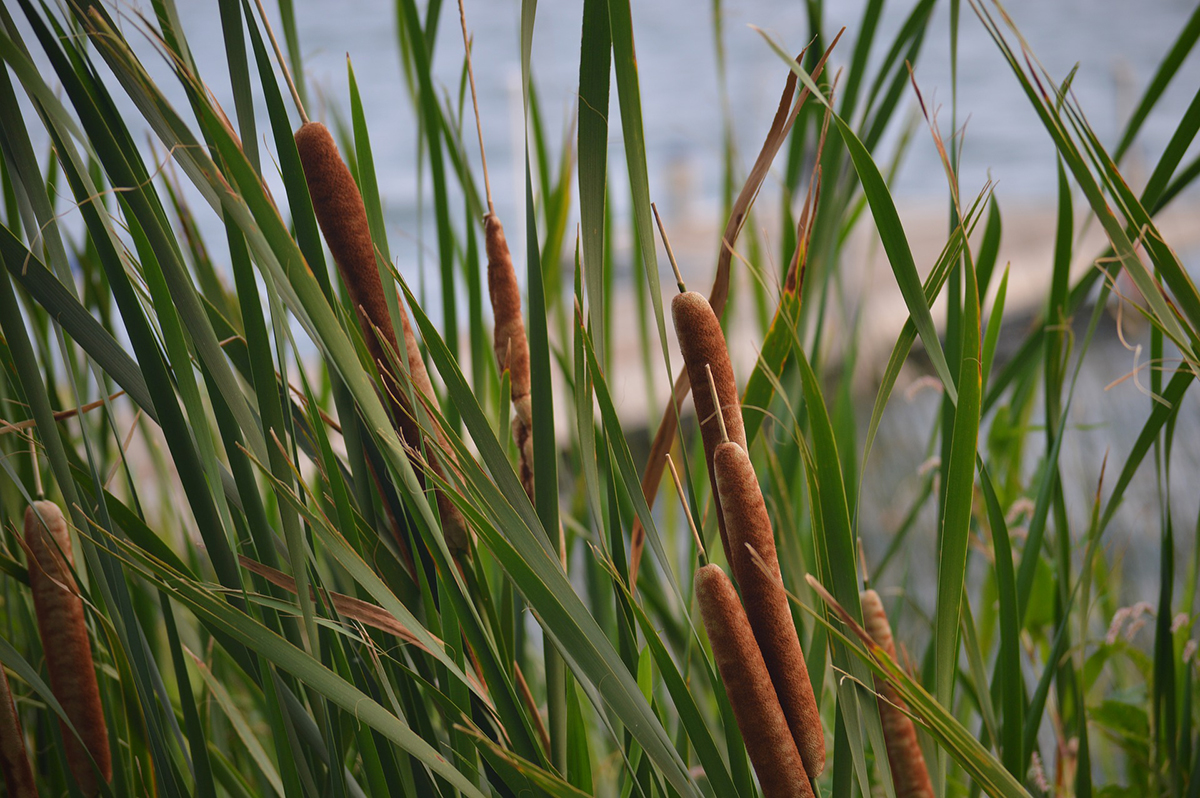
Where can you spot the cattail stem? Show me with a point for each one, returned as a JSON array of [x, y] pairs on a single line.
[[662, 232], [287, 73], [702, 344], [66, 645], [686, 511], [752, 696], [509, 339], [38, 490], [343, 220], [712, 388], [14, 758], [909, 773], [487, 186], [756, 566]]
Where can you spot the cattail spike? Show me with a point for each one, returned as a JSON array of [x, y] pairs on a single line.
[[14, 758], [66, 645], [510, 342], [909, 773], [343, 219], [756, 566], [752, 697], [702, 343]]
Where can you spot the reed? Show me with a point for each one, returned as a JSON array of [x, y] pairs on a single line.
[[909, 773], [14, 758], [756, 566], [343, 220], [508, 337], [769, 742], [66, 645], [702, 343]]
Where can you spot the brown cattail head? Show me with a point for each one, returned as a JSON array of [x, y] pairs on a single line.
[[756, 565], [65, 642], [14, 759], [343, 219], [748, 684], [510, 342], [909, 773], [703, 344]]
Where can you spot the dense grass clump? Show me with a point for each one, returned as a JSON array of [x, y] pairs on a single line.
[[270, 524]]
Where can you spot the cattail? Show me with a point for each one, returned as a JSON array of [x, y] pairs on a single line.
[[66, 645], [702, 343], [343, 218], [909, 774], [510, 342], [756, 566], [14, 759], [765, 730]]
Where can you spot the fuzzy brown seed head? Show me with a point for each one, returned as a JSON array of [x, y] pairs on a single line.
[[67, 647], [875, 621], [340, 212], [14, 759], [748, 684], [343, 219], [509, 340], [702, 343], [909, 772], [749, 528]]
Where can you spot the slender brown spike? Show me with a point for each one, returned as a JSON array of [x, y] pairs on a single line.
[[66, 645], [14, 758], [687, 513], [510, 342], [702, 344], [343, 220], [662, 231], [751, 538], [752, 697], [909, 773]]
